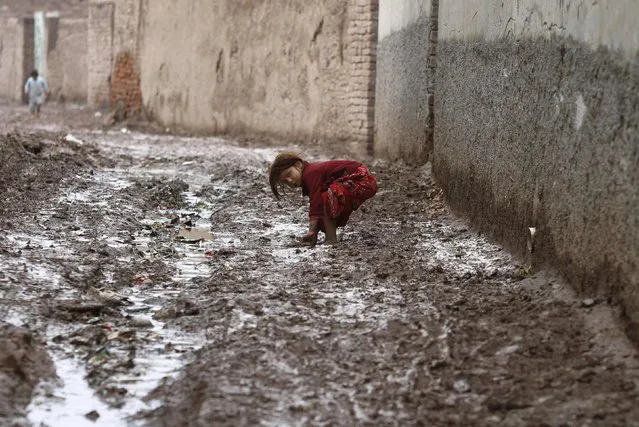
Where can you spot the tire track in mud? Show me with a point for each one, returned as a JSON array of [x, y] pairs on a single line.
[[80, 261]]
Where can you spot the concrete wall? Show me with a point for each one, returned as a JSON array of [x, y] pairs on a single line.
[[22, 8], [536, 125], [404, 98], [11, 58], [289, 68], [100, 52], [67, 68]]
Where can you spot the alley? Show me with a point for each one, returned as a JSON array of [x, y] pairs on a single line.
[[159, 279]]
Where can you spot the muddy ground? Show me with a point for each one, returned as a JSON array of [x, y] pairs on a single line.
[[150, 279]]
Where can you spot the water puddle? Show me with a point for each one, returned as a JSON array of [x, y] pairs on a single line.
[[155, 353], [70, 402]]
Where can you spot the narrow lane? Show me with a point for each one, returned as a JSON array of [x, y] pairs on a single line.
[[413, 319]]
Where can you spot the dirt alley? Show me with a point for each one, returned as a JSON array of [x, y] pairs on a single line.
[[149, 279]]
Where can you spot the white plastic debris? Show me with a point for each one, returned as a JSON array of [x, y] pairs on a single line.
[[71, 138]]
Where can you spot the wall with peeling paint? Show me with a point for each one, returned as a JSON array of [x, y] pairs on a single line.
[[280, 68], [67, 68], [11, 58], [536, 127]]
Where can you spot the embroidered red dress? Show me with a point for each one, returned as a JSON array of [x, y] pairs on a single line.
[[336, 188]]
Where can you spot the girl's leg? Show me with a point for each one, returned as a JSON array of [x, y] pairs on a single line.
[[330, 229]]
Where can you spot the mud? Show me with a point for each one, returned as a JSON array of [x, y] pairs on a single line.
[[154, 274]]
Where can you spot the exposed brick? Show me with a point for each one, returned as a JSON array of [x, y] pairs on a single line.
[[126, 96], [362, 41]]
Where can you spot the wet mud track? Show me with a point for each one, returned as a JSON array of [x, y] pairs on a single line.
[[155, 276]]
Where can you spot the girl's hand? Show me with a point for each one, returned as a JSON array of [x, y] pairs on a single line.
[[309, 238]]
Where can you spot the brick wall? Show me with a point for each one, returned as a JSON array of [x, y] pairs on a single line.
[[100, 52], [361, 53], [114, 77], [126, 97]]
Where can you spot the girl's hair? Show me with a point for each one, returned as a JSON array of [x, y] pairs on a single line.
[[282, 162]]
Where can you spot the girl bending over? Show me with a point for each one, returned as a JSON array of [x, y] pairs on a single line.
[[335, 189]]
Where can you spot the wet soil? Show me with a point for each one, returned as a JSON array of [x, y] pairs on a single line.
[[152, 280]]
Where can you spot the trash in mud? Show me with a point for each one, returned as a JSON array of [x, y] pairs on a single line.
[[80, 307], [140, 322], [179, 308], [93, 415], [193, 235], [71, 138]]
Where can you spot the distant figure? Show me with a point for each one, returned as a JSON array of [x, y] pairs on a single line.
[[335, 189], [37, 90]]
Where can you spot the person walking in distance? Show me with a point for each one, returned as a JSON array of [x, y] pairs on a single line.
[[37, 90]]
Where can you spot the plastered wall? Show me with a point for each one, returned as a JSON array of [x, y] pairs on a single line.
[[292, 69], [67, 66], [11, 58], [536, 129], [100, 52]]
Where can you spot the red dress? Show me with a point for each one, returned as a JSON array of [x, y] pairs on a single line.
[[336, 188]]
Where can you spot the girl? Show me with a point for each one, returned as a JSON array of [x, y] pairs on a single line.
[[335, 189]]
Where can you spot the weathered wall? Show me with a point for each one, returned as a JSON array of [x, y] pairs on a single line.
[[100, 52], [536, 125], [126, 94], [24, 8], [404, 98], [11, 58], [293, 69], [67, 60]]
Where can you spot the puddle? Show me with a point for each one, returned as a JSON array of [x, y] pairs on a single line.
[[69, 402], [159, 352]]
